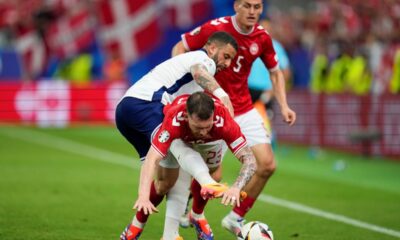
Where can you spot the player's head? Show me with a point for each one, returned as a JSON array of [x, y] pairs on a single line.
[[222, 48], [248, 12], [200, 108]]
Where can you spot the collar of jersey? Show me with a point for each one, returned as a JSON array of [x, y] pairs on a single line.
[[237, 28]]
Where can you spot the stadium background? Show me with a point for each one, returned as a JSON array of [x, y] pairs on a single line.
[[65, 63]]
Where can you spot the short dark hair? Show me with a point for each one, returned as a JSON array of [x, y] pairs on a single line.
[[201, 104], [224, 38]]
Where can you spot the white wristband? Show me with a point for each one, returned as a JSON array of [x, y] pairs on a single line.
[[220, 93]]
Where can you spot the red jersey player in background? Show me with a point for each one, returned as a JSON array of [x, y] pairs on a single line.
[[192, 120], [253, 41]]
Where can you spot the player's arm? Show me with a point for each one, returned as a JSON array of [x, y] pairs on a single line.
[[209, 83], [278, 83], [147, 173], [179, 48], [249, 165]]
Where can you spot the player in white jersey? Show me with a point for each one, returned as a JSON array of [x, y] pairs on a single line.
[[140, 110]]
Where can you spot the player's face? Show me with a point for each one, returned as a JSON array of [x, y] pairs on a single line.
[[223, 56], [248, 12], [200, 128]]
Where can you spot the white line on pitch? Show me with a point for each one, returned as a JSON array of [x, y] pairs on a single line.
[[119, 159], [323, 214]]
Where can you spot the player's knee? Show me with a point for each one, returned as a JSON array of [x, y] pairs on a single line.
[[162, 187], [265, 167]]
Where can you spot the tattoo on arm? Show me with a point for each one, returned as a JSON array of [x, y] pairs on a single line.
[[248, 169], [203, 78]]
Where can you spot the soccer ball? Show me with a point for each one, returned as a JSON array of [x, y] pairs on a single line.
[[255, 230]]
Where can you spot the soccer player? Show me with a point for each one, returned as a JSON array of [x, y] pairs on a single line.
[[191, 121], [253, 42], [140, 110]]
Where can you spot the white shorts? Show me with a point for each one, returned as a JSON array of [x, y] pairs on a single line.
[[252, 126], [181, 154]]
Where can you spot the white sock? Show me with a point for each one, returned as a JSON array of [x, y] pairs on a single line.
[[170, 234], [137, 223], [197, 216], [176, 204], [204, 178], [234, 215]]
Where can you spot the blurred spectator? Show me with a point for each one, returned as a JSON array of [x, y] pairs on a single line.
[[114, 68]]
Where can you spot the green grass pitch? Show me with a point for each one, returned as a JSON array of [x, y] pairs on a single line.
[[80, 184]]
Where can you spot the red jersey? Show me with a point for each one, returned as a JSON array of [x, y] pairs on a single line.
[[175, 126], [255, 44]]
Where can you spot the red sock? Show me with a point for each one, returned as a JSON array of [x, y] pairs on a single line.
[[155, 199], [245, 206], [198, 202]]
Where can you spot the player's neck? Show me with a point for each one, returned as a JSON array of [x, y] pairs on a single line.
[[241, 27]]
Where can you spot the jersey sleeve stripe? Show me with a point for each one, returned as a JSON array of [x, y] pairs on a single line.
[[163, 155], [240, 147]]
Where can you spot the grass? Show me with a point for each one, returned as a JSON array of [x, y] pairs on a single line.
[[81, 182]]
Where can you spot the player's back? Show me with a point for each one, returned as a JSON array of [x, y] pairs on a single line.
[[164, 81]]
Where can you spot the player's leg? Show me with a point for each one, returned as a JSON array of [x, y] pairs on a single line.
[[211, 154], [258, 138], [138, 131], [175, 206], [192, 164], [167, 174]]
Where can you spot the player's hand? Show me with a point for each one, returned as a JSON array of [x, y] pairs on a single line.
[[228, 104], [289, 116], [145, 205], [231, 197]]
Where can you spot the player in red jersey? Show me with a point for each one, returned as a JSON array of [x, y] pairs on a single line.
[[191, 121], [253, 41]]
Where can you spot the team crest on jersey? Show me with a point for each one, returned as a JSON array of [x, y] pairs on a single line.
[[163, 137], [254, 48]]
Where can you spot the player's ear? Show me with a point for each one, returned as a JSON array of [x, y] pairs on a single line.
[[212, 48], [236, 4]]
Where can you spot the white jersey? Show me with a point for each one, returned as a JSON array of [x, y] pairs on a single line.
[[171, 78]]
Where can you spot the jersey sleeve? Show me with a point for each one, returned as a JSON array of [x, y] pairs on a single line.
[[201, 57], [231, 132], [164, 135], [269, 56], [198, 37]]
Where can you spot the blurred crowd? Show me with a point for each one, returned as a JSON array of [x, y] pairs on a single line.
[[335, 46], [342, 45]]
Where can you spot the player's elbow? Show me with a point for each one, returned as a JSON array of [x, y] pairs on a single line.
[[179, 48]]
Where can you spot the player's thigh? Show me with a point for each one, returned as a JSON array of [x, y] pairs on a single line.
[[264, 156], [252, 126], [136, 119], [258, 138], [167, 174]]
